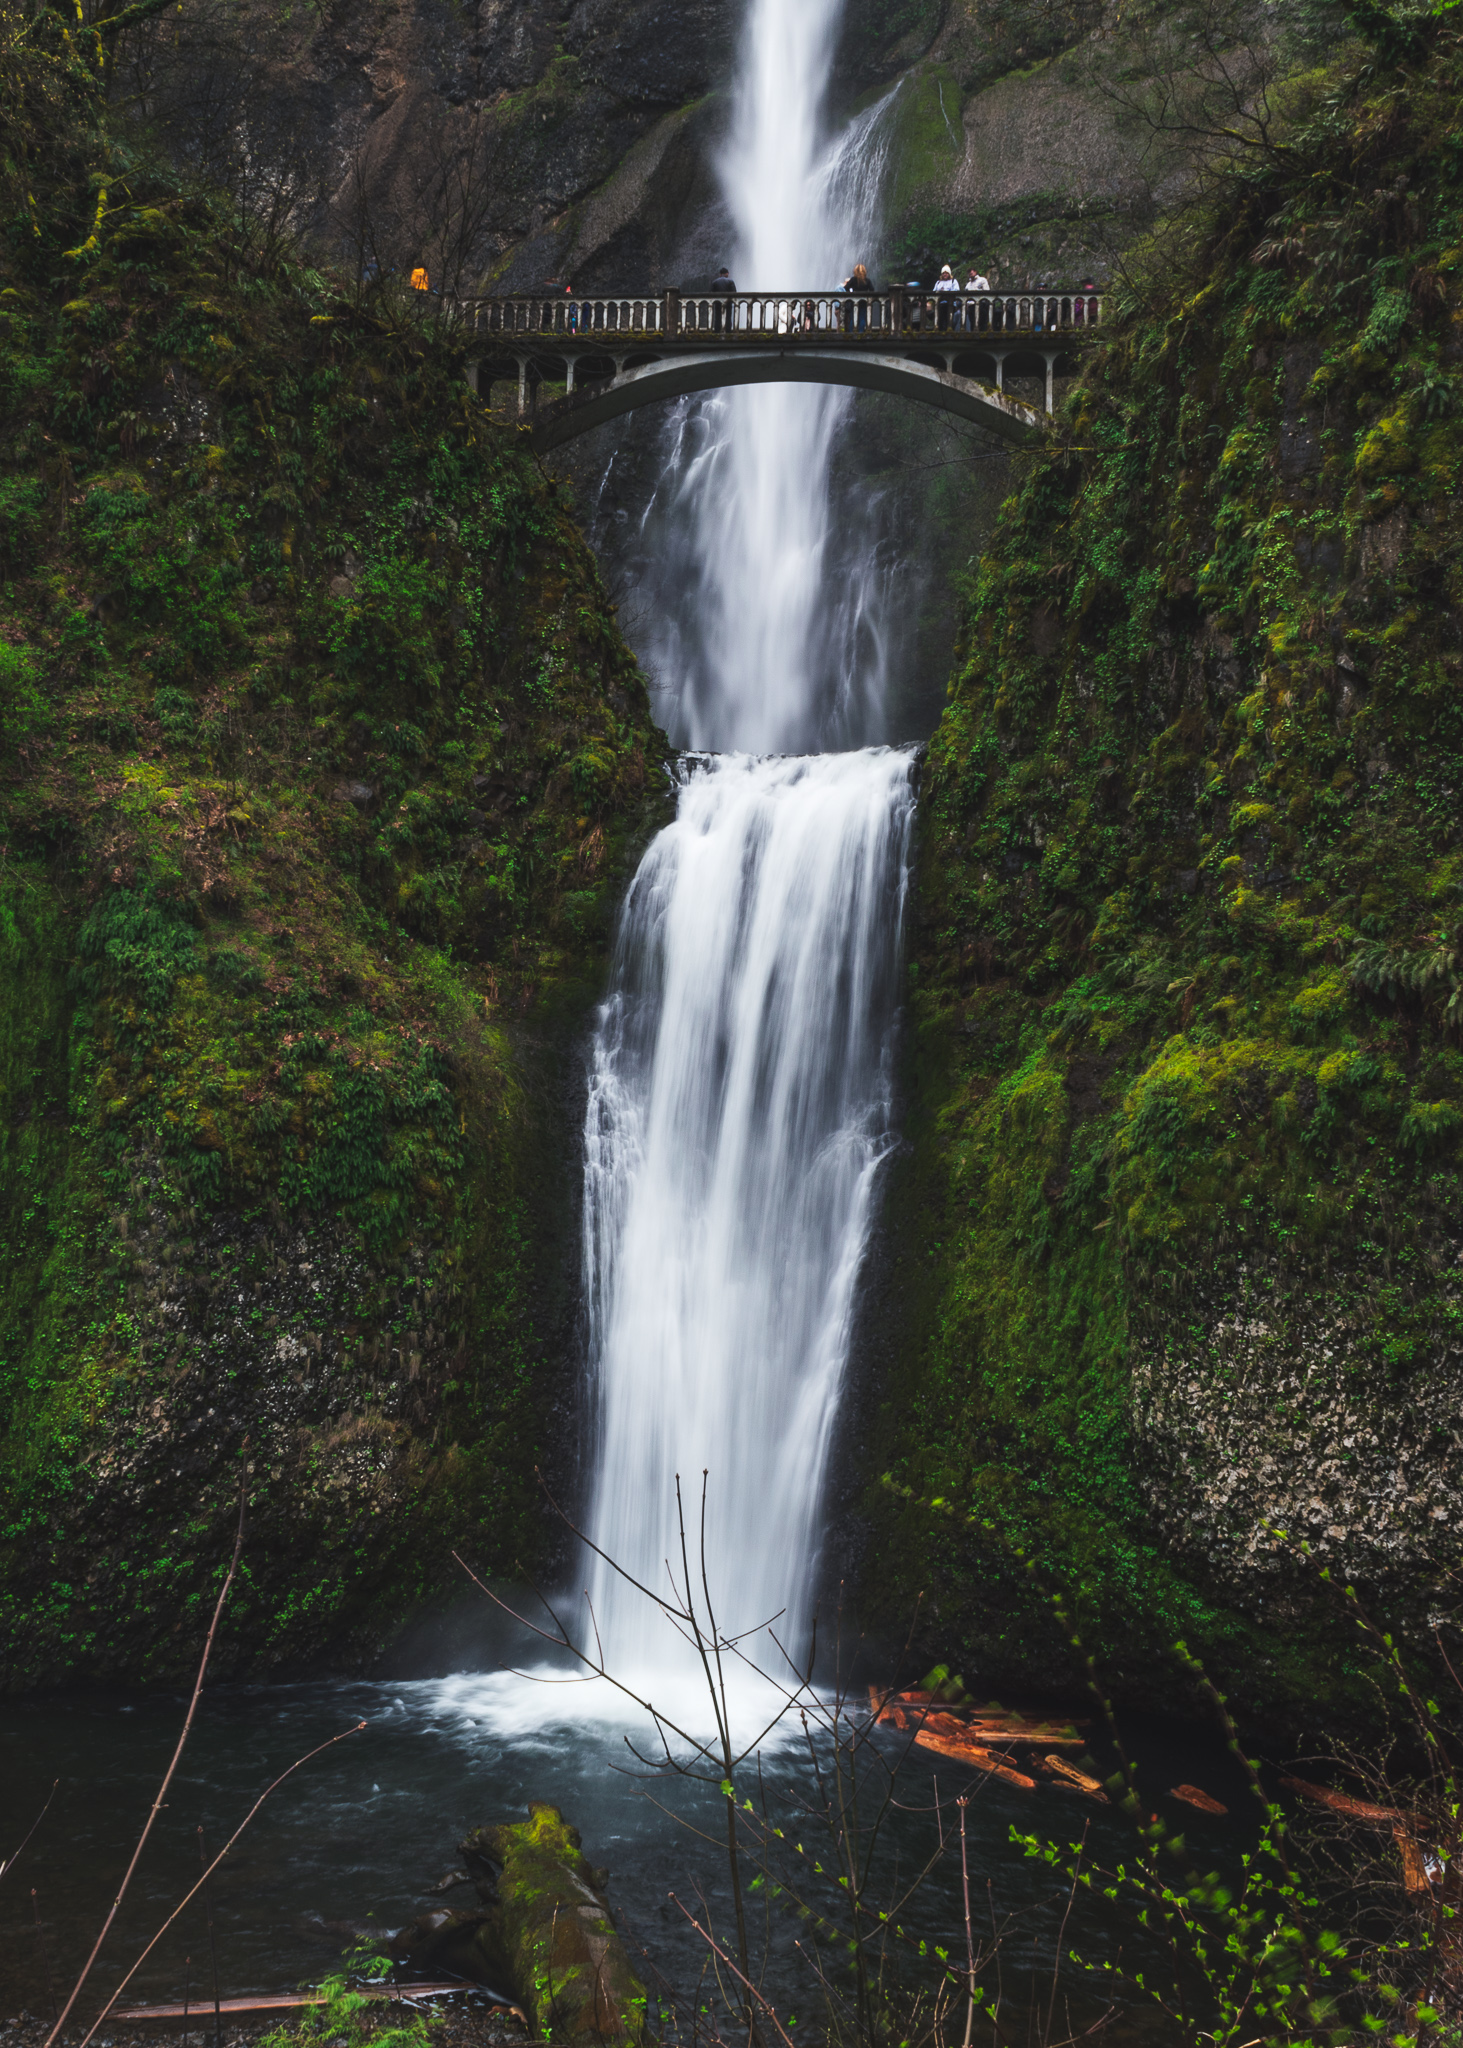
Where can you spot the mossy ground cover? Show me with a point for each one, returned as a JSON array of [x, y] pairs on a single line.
[[1179, 1230], [322, 760]]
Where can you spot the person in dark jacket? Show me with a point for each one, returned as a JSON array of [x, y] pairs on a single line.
[[858, 283]]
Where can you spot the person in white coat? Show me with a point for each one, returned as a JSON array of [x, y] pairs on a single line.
[[945, 282], [976, 281]]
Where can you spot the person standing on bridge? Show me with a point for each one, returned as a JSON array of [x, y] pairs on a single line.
[[976, 281], [858, 283], [945, 283]]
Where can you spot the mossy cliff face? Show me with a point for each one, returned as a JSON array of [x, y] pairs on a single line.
[[1176, 1247], [323, 761]]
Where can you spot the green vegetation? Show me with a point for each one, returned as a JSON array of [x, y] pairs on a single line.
[[348, 2018], [1178, 1236], [556, 1935], [321, 760]]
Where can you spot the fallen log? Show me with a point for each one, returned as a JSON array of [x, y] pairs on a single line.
[[1191, 1795], [199, 2013], [554, 1929], [977, 1759], [905, 1710], [1077, 1781], [1343, 1803], [1034, 1734]]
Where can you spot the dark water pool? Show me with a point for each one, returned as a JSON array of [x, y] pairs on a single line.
[[362, 1832]]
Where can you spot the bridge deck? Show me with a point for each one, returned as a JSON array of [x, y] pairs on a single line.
[[900, 317], [617, 353]]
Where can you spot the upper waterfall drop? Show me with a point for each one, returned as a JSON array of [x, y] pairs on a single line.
[[783, 653]]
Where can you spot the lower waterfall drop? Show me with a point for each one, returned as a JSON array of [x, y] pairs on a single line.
[[739, 1110]]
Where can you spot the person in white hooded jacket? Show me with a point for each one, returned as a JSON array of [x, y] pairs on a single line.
[[945, 282]]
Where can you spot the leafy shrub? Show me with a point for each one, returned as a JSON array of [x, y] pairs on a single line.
[[343, 2016], [22, 506], [177, 715], [1387, 319], [24, 710], [134, 938]]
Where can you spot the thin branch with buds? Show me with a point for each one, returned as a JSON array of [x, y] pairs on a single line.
[[162, 1791]]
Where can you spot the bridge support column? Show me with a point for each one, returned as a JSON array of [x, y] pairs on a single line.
[[1051, 367], [569, 380], [523, 384], [1000, 371], [472, 370], [619, 362]]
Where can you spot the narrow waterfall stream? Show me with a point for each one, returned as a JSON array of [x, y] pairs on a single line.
[[739, 1105]]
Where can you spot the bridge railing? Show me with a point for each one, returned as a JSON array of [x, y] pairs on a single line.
[[839, 317], [536, 315]]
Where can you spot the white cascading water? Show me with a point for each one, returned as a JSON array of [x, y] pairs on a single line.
[[739, 1104], [739, 1111], [768, 634]]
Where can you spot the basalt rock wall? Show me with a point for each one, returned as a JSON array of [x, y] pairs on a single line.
[[1166, 1316], [324, 767]]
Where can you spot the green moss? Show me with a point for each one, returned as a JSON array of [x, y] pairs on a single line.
[[323, 762], [1183, 1065], [927, 141], [556, 1932]]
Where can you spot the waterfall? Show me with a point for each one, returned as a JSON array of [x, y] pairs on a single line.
[[767, 637], [739, 1102], [739, 1110]]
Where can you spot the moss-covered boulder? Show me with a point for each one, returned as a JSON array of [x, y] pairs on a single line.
[[555, 1933]]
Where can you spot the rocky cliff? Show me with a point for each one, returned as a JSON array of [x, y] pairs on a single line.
[[323, 760], [1173, 1279]]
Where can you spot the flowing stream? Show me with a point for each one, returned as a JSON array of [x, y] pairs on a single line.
[[739, 1105]]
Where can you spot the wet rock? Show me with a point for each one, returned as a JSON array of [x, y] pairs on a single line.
[[564, 1958], [665, 52], [468, 1944]]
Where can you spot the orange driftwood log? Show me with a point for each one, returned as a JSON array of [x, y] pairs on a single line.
[[1192, 1796], [921, 1709], [964, 1752], [1077, 1780], [1414, 1863], [1342, 1802]]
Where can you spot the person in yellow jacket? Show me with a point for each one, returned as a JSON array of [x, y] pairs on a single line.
[[419, 279]]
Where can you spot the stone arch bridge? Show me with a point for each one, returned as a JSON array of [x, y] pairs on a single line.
[[950, 350]]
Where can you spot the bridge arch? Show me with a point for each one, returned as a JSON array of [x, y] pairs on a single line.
[[681, 375]]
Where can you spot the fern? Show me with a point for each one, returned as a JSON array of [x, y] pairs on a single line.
[[1430, 972]]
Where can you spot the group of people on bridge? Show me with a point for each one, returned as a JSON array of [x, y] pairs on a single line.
[[947, 306]]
